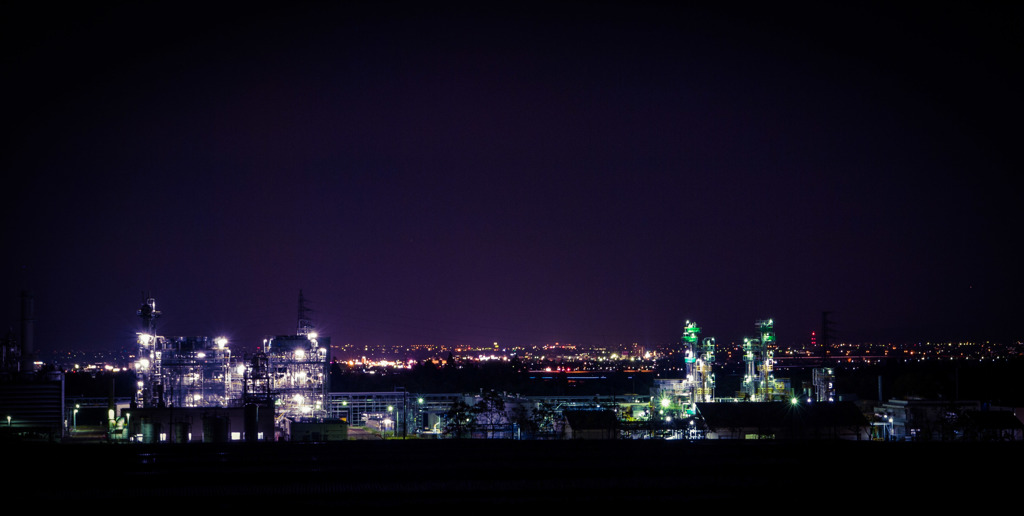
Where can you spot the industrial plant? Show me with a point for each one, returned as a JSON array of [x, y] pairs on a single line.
[[31, 399], [188, 389], [193, 388]]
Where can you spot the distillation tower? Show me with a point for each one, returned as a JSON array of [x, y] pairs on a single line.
[[681, 395], [700, 380], [759, 383], [824, 379], [147, 366]]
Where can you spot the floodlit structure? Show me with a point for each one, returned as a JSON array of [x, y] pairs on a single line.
[[196, 372], [824, 380], [700, 380], [182, 371], [298, 370], [680, 395], [287, 378], [759, 383]]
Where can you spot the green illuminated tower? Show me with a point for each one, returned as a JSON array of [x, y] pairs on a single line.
[[759, 382], [700, 381], [691, 335]]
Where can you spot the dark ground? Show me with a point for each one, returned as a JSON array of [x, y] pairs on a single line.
[[468, 476]]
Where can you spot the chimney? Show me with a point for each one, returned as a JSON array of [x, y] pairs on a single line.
[[27, 334]]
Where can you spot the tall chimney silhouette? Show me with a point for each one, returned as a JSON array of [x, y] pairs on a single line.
[[27, 332]]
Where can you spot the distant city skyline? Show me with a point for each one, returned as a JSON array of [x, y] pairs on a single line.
[[524, 174]]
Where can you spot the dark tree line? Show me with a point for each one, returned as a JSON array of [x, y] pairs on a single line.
[[510, 376]]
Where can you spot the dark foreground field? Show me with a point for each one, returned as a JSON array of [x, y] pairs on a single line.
[[468, 476]]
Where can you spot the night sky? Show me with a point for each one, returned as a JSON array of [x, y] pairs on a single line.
[[588, 174]]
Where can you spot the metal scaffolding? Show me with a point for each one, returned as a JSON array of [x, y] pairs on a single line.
[[759, 383], [184, 372], [298, 370], [700, 380]]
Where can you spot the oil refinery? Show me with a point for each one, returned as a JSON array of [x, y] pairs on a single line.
[[183, 389], [193, 388]]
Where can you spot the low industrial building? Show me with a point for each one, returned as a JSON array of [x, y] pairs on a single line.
[[784, 420]]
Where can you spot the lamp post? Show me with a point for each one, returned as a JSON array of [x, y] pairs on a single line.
[[74, 418], [391, 409], [421, 420]]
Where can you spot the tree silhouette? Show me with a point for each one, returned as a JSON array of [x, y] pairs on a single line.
[[490, 412], [543, 419], [459, 420]]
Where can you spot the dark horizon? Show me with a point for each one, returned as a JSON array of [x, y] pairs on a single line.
[[512, 173]]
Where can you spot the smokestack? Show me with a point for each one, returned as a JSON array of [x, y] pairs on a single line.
[[27, 334]]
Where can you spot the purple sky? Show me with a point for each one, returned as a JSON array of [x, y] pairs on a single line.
[[582, 174]]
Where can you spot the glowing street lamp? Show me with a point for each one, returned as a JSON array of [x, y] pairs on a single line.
[[665, 404], [391, 409]]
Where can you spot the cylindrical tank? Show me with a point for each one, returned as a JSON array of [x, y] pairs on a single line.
[[215, 429], [150, 432], [252, 421], [180, 431]]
